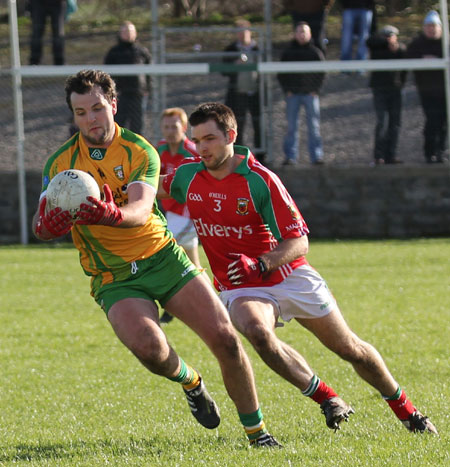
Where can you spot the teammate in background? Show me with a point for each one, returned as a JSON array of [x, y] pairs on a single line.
[[173, 150], [256, 241], [133, 260]]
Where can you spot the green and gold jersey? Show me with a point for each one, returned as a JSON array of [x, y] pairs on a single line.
[[106, 252]]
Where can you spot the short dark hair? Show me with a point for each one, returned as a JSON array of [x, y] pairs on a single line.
[[220, 113], [85, 80]]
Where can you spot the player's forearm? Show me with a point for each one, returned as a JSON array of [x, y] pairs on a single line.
[[134, 215], [136, 212], [286, 252]]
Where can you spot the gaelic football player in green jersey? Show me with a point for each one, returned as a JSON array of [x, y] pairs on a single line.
[[133, 260]]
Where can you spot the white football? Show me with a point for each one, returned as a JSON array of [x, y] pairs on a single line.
[[69, 189]]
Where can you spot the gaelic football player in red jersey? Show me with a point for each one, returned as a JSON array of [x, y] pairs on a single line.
[[133, 260], [173, 149], [256, 241]]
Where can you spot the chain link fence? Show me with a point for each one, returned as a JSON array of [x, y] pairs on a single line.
[[346, 103]]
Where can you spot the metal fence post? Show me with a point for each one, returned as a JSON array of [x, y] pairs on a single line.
[[18, 107]]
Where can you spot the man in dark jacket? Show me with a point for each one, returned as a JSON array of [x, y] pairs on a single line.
[[431, 87], [313, 12], [302, 89], [243, 87], [387, 94], [132, 90]]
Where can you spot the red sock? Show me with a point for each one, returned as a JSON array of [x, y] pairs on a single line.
[[402, 406], [322, 393]]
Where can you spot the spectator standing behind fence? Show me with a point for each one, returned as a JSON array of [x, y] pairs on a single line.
[[174, 149], [40, 10], [302, 89], [431, 87], [387, 94], [356, 18], [243, 87], [133, 89], [313, 12]]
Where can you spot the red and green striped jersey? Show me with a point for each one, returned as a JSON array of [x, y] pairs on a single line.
[[106, 252], [169, 162], [249, 211]]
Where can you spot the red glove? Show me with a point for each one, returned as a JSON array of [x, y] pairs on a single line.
[[57, 222], [100, 212], [244, 269]]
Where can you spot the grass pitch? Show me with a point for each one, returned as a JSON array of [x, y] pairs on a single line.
[[72, 395]]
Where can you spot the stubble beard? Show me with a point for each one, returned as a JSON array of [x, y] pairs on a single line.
[[217, 164], [97, 141]]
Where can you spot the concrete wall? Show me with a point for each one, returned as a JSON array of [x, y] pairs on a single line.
[[372, 202], [336, 202]]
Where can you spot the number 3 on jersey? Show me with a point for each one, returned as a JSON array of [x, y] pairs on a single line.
[[218, 207]]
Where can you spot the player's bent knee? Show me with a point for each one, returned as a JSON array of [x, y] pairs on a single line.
[[259, 336], [354, 351], [149, 346], [227, 344], [148, 352]]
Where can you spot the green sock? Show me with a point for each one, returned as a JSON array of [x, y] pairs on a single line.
[[395, 396], [254, 425], [187, 376], [313, 385]]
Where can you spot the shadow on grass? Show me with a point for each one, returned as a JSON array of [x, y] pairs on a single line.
[[80, 448], [144, 447]]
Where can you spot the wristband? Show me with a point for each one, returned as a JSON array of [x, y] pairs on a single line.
[[262, 265]]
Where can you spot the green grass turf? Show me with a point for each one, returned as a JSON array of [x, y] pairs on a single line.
[[71, 394]]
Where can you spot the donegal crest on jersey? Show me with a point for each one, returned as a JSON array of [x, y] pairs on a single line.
[[249, 211], [105, 253]]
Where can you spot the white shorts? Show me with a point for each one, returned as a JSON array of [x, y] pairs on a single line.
[[183, 230], [303, 294]]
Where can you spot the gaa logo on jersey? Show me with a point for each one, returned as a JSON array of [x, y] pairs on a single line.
[[294, 213], [195, 197], [242, 206], [119, 172], [97, 154]]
